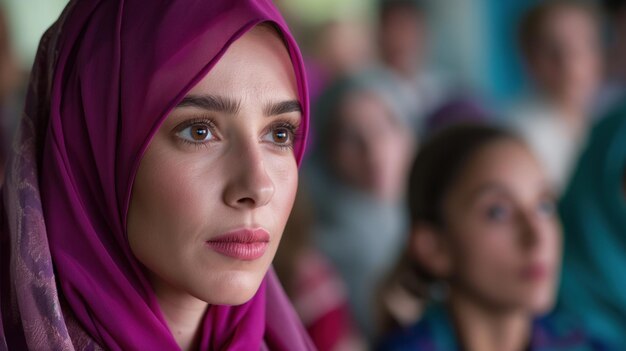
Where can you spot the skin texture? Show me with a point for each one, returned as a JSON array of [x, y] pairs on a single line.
[[213, 169], [371, 149], [566, 61], [499, 249]]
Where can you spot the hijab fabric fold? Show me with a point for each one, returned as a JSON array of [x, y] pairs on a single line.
[[106, 75]]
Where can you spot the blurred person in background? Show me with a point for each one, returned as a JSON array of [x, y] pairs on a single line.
[[561, 47], [594, 219], [316, 290], [403, 49], [484, 248], [398, 302], [10, 83], [356, 177]]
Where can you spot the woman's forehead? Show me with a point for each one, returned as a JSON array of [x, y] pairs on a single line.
[[503, 167], [257, 66]]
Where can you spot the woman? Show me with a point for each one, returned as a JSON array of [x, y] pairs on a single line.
[[153, 176], [485, 246], [594, 219], [560, 41], [356, 178]]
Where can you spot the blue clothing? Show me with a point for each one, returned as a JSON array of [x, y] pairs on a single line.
[[435, 332], [593, 211]]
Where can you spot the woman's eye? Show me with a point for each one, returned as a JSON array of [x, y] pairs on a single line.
[[546, 208], [281, 136], [497, 213], [196, 133]]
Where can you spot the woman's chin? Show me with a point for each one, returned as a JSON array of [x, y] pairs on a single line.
[[236, 289]]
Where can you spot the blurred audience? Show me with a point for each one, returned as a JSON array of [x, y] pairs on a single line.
[[594, 219], [356, 175], [403, 45], [560, 42], [484, 249]]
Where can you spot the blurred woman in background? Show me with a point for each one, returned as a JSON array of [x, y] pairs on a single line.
[[484, 248], [561, 47], [356, 177], [403, 42]]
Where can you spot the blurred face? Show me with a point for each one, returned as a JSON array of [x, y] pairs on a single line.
[[504, 237], [370, 148], [218, 180], [402, 39], [566, 60]]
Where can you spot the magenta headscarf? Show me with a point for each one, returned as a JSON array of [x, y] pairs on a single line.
[[106, 76]]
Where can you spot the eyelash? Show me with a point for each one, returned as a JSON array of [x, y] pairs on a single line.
[[293, 129]]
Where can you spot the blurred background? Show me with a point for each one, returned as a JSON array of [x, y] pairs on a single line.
[[384, 76], [472, 41]]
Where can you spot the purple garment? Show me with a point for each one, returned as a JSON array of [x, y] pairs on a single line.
[[106, 75], [458, 110]]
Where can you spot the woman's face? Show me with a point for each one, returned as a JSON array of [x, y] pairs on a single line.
[[215, 187], [566, 62], [370, 149], [504, 236]]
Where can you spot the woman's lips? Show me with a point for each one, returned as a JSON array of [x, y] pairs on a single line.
[[242, 244], [534, 272]]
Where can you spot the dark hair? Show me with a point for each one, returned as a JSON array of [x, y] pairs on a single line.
[[440, 163], [614, 6], [386, 7], [531, 25]]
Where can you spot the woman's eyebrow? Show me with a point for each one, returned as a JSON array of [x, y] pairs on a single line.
[[487, 188], [279, 108], [217, 103], [211, 103]]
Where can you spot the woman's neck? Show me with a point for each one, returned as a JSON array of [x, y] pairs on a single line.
[[184, 315], [480, 328]]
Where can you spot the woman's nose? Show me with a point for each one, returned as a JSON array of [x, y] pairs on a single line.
[[530, 231], [249, 185]]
